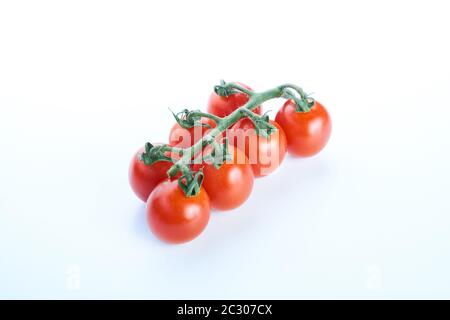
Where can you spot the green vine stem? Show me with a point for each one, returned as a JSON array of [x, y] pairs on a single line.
[[191, 181]]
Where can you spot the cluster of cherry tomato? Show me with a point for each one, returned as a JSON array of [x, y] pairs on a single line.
[[175, 217]]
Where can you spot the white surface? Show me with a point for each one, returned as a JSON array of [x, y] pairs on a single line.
[[83, 84]]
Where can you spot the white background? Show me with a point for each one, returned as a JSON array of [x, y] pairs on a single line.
[[83, 84]]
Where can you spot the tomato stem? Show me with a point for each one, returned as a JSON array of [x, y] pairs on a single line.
[[265, 128], [302, 100], [213, 117]]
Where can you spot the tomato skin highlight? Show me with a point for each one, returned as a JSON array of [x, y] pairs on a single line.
[[143, 179], [267, 154], [223, 106], [307, 133], [229, 186], [175, 218], [185, 138]]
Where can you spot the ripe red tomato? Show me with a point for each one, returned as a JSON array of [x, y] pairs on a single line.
[[184, 138], [264, 154], [223, 106], [144, 178], [229, 186], [175, 218], [307, 133]]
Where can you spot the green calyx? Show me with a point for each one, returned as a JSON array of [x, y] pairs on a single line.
[[303, 101], [227, 89], [262, 124], [219, 154], [192, 118], [154, 154], [188, 119], [224, 91], [190, 181]]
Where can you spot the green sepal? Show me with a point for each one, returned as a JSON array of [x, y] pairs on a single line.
[[154, 154], [223, 91], [262, 125], [191, 183], [303, 101], [188, 119], [220, 153]]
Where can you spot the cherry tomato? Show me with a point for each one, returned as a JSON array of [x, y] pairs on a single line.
[[175, 218], [264, 154], [223, 106], [144, 178], [229, 186], [307, 133], [184, 138]]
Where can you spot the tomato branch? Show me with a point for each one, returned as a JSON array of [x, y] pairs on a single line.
[[191, 181]]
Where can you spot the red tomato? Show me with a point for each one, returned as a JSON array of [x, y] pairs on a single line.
[[223, 106], [307, 133], [229, 186], [265, 155], [175, 218], [143, 178], [184, 138]]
